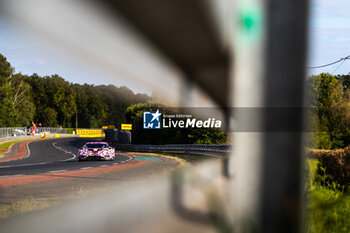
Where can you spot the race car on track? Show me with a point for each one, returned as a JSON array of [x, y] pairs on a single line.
[[96, 151]]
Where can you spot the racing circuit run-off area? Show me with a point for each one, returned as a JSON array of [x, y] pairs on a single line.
[[49, 170]]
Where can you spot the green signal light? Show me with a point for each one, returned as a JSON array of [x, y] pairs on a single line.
[[248, 22]]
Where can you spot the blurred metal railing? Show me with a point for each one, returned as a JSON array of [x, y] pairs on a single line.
[[9, 131], [54, 130], [195, 149], [21, 131]]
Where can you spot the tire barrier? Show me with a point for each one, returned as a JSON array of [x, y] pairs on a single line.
[[117, 136]]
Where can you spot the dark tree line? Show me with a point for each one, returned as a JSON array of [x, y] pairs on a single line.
[[53, 101]]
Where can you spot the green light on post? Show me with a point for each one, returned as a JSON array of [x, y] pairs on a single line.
[[250, 21]]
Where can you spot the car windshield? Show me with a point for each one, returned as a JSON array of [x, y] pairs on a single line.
[[90, 146]]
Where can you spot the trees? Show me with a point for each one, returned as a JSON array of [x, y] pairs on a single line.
[[55, 94], [92, 108], [53, 101], [16, 108], [5, 69], [21, 104], [49, 117], [331, 111], [118, 100]]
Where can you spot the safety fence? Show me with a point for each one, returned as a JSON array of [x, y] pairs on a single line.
[[55, 130], [12, 131], [195, 149], [23, 131]]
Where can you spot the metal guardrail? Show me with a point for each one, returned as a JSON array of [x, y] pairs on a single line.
[[197, 149], [22, 131], [53, 130]]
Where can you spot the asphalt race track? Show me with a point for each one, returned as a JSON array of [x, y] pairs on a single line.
[[54, 155], [41, 173]]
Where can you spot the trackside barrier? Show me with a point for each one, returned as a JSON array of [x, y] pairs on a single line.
[[7, 139], [90, 133], [117, 136], [53, 130], [8, 131], [195, 149], [22, 131]]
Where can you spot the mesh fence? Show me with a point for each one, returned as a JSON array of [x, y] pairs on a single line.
[[21, 131], [12, 131]]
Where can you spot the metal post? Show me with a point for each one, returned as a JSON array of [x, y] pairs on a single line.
[[269, 50], [76, 120]]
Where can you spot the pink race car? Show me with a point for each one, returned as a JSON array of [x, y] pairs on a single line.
[[96, 151]]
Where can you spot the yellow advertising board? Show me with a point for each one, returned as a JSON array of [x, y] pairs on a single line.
[[111, 127], [90, 133], [105, 127], [126, 126]]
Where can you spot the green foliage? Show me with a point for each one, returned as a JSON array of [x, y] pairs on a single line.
[[334, 163], [17, 108], [118, 100], [330, 117], [327, 209], [49, 117], [5, 69], [70, 130], [134, 116], [55, 94], [7, 145], [92, 108], [53, 102]]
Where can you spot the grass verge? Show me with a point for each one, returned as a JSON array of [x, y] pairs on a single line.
[[7, 145], [185, 158], [328, 207], [181, 161], [328, 211], [4, 147]]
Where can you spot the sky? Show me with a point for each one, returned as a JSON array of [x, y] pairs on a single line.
[[329, 38], [329, 41], [28, 54]]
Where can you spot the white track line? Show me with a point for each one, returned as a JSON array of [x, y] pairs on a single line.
[[41, 163], [56, 171], [12, 176], [27, 155], [65, 151], [28, 151], [84, 168]]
